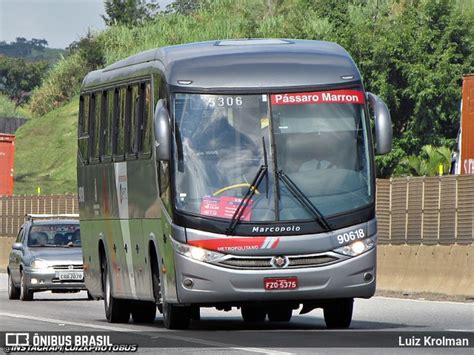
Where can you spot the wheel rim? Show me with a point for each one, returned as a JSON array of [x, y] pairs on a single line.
[[22, 286], [107, 291]]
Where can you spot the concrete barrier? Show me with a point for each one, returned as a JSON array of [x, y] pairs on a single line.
[[443, 269], [5, 248]]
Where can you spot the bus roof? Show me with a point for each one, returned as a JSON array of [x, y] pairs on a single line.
[[237, 64]]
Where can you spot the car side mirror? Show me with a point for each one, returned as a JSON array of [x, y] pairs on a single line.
[[162, 127], [17, 246], [383, 125]]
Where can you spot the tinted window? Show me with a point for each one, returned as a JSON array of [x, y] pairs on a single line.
[[120, 123], [55, 235], [145, 125], [83, 135]]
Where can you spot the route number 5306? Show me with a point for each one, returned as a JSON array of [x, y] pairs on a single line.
[[350, 236]]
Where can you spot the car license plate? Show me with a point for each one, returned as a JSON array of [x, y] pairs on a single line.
[[71, 276], [280, 283]]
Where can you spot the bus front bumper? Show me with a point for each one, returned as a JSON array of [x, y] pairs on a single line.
[[214, 284]]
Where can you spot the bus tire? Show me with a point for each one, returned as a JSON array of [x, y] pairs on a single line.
[[195, 313], [280, 314], [338, 313], [116, 310], [143, 312], [176, 317], [25, 293], [253, 314], [13, 291]]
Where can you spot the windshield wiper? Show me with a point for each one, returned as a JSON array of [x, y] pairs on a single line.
[[246, 199], [304, 200], [261, 173]]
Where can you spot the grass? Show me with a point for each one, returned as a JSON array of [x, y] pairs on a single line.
[[46, 152]]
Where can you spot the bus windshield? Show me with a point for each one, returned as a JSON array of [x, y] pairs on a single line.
[[317, 141]]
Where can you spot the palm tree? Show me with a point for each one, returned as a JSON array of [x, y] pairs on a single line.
[[428, 161]]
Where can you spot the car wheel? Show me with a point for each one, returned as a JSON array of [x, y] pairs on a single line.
[[13, 292], [176, 317], [253, 314], [143, 312], [116, 310], [280, 314], [338, 313], [25, 293]]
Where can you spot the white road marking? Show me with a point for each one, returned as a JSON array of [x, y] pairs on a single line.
[[78, 324], [163, 331], [425, 301]]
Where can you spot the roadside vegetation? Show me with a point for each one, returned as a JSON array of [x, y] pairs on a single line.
[[46, 152], [411, 53]]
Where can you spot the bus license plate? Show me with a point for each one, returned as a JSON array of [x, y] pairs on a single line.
[[71, 276], [280, 283]]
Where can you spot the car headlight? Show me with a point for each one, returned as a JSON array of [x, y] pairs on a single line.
[[195, 253], [357, 248], [39, 264]]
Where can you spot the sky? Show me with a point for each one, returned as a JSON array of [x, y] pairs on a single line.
[[60, 22]]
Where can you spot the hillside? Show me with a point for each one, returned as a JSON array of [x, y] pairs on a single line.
[[419, 77], [46, 152]]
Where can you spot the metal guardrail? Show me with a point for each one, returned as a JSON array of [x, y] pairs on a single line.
[[414, 210]]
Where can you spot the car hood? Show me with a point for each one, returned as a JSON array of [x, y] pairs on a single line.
[[58, 256]]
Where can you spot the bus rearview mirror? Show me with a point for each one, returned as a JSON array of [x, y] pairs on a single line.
[[162, 128], [383, 125]]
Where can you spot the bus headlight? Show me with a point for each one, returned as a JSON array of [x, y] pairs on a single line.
[[39, 264], [357, 248], [195, 253]]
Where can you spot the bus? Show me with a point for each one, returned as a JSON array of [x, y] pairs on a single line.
[[230, 174]]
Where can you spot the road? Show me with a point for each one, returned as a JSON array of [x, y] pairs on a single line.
[[218, 332]]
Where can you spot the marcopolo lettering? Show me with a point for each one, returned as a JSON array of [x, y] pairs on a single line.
[[275, 229]]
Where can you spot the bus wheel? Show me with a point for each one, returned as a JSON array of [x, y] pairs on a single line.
[[280, 314], [253, 314], [195, 313], [338, 313], [116, 310], [143, 312], [176, 317]]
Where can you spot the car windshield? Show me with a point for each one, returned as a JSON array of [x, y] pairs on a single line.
[[55, 235], [316, 140]]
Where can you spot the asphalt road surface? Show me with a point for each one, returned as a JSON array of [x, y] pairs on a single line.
[[381, 320]]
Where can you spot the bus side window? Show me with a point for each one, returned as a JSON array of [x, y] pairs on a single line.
[[103, 133], [83, 134], [133, 121], [92, 113], [108, 125], [95, 156], [120, 124], [145, 125]]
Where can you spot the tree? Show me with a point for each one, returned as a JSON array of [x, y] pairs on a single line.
[[128, 12], [18, 77], [184, 7], [90, 50]]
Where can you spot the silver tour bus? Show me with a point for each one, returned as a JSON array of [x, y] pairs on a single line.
[[234, 173]]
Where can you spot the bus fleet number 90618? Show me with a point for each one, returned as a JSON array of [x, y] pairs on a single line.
[[350, 236]]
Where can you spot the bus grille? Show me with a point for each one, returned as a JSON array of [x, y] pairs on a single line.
[[265, 262]]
